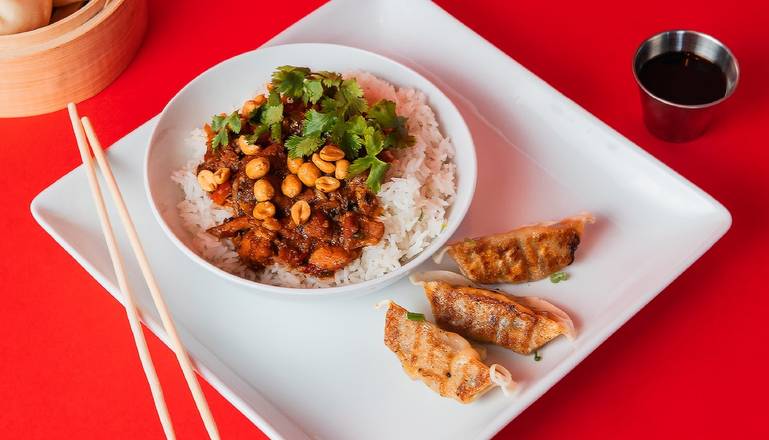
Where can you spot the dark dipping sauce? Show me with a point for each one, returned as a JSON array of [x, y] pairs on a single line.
[[683, 78]]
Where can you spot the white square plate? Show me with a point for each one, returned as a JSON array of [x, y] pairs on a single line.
[[319, 369]]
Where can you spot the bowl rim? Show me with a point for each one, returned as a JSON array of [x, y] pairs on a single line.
[[365, 286]]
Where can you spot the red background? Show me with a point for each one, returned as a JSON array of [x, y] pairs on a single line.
[[692, 364]]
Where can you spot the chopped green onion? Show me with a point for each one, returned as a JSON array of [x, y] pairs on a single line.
[[537, 357], [415, 316], [558, 277]]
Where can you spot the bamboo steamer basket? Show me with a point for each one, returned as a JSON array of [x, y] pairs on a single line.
[[70, 60]]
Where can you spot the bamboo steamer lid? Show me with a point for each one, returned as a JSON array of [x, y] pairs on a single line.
[[70, 60]]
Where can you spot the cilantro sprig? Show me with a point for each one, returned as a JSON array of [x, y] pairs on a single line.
[[272, 116], [383, 114], [376, 167], [314, 132], [301, 83], [223, 125]]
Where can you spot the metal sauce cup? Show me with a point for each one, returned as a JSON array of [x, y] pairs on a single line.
[[678, 122]]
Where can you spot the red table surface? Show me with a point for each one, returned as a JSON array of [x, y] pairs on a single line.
[[692, 364]]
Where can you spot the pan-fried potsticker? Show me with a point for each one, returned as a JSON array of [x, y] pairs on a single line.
[[528, 253], [444, 361], [522, 324]]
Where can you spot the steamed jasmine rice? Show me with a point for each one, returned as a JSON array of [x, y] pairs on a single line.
[[417, 192]]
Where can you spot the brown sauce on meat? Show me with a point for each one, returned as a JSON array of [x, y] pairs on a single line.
[[340, 225]]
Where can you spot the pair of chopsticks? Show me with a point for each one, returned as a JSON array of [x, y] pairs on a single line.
[[85, 135]]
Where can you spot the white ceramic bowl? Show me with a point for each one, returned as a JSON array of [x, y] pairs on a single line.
[[228, 84]]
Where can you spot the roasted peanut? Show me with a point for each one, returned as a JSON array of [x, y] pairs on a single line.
[[308, 173], [327, 184], [258, 167], [221, 175], [331, 153], [248, 107], [300, 212], [294, 164], [341, 169], [263, 190], [264, 210], [245, 147], [271, 223], [326, 167], [207, 180], [291, 186]]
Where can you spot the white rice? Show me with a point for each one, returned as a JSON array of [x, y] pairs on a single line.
[[419, 188]]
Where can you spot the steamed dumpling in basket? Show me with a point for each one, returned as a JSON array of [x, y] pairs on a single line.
[[23, 15]]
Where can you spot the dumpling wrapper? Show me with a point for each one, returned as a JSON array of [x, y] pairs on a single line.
[[522, 324], [444, 361], [18, 16], [527, 253]]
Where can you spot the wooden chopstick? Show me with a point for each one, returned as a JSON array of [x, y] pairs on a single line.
[[149, 278], [117, 264]]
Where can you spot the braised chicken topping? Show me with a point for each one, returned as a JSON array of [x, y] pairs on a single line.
[[299, 169]]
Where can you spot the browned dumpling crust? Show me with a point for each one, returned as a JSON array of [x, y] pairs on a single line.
[[528, 253], [444, 361], [488, 316]]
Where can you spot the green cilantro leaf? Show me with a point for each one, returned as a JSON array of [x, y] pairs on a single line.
[[373, 141], [356, 125], [350, 143], [329, 105], [376, 174], [233, 121], [259, 130], [289, 80], [273, 98], [276, 132], [349, 136], [255, 116], [300, 146], [350, 98], [223, 125], [313, 91], [384, 113], [217, 122], [272, 114], [359, 165], [376, 167], [342, 135], [329, 79], [317, 122], [221, 139]]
